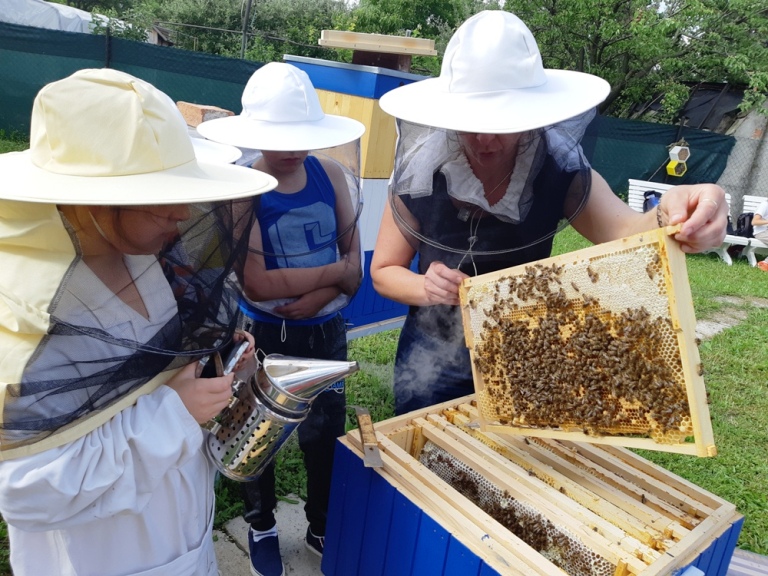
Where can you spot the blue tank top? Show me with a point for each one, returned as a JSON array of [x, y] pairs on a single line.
[[297, 230]]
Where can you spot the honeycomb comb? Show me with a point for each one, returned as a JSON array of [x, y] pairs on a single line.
[[596, 345]]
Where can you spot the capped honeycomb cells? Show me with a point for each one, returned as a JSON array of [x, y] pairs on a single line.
[[555, 543], [587, 346]]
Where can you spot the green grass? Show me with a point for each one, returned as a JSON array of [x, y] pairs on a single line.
[[736, 370], [12, 142], [5, 552]]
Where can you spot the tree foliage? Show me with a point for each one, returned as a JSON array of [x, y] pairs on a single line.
[[131, 25], [206, 25], [294, 27], [646, 49]]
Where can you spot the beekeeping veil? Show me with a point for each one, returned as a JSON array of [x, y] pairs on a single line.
[[84, 331], [492, 81], [282, 112]]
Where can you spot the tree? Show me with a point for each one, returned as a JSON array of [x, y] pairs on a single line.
[[206, 25], [643, 49], [294, 27], [132, 25], [118, 6]]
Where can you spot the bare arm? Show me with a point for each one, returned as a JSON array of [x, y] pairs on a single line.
[[262, 284], [331, 279], [392, 277], [759, 220], [700, 208], [346, 228]]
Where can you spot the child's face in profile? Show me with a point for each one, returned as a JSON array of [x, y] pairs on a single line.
[[284, 162], [143, 229]]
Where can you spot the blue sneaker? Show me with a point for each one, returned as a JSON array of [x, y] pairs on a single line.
[[264, 549], [314, 544]]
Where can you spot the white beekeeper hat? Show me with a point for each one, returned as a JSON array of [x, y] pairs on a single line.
[[281, 112], [493, 81], [101, 136]]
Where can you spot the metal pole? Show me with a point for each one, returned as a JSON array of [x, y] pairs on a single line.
[[246, 17]]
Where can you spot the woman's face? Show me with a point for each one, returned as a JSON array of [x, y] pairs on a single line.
[[140, 229], [489, 150]]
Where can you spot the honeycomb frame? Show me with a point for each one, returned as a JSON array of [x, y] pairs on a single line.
[[596, 345]]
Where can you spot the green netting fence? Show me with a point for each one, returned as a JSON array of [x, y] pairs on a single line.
[[32, 57]]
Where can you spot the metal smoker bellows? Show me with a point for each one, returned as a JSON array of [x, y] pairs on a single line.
[[266, 409]]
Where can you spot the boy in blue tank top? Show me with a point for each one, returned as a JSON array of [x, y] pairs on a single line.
[[303, 266]]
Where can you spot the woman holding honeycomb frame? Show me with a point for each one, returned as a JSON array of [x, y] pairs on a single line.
[[488, 168]]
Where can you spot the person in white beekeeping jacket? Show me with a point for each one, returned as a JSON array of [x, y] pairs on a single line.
[[117, 247]]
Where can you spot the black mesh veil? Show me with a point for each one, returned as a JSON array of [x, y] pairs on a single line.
[[89, 346], [440, 205], [317, 242]]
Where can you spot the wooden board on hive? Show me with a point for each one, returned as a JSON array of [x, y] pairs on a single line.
[[377, 42], [596, 345]]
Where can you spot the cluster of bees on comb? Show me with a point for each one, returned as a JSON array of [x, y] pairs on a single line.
[[551, 355], [554, 543]]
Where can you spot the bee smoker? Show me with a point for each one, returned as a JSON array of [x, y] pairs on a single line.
[[265, 410]]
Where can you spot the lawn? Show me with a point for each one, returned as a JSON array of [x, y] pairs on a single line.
[[736, 371]]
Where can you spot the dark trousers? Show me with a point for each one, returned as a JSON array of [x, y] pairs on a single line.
[[317, 433]]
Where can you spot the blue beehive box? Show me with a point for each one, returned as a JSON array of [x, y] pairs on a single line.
[[453, 500]]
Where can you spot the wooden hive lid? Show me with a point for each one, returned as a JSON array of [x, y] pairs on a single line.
[[377, 43]]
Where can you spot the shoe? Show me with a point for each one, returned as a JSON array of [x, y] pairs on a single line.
[[264, 549], [314, 544], [763, 265]]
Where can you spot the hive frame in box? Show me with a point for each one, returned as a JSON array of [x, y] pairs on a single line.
[[405, 519], [639, 281]]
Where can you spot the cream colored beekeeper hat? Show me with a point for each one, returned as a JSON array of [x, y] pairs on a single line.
[[281, 112], [493, 81], [101, 136]]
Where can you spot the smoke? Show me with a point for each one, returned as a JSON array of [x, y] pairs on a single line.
[[433, 363]]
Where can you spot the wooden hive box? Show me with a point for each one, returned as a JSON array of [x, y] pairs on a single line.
[[454, 500], [596, 345]]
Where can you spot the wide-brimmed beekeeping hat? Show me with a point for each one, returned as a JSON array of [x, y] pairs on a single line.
[[102, 136], [282, 112], [493, 81]]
